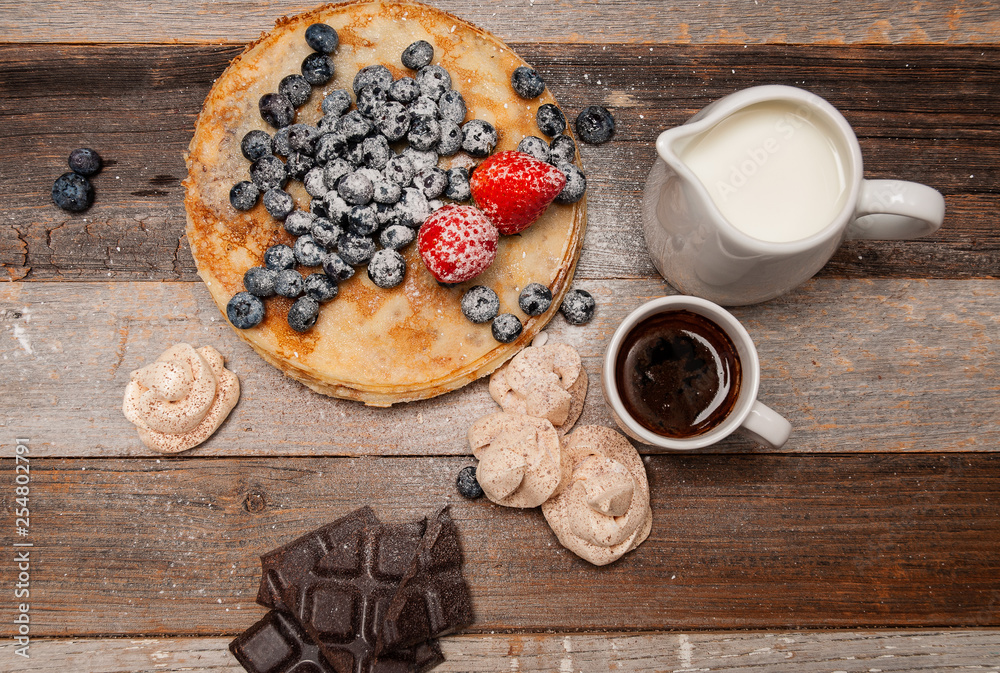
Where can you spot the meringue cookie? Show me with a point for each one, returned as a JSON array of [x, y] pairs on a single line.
[[519, 458], [179, 400], [546, 381], [601, 509]]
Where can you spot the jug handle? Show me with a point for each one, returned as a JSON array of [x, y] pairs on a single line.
[[895, 210]]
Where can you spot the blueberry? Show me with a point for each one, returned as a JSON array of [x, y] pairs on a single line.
[[279, 257], [421, 159], [260, 280], [317, 207], [255, 144], [577, 307], [387, 268], [354, 126], [296, 88], [400, 170], [431, 181], [392, 120], [244, 195], [458, 184], [595, 125], [317, 68], [361, 220], [376, 152], [480, 304], [315, 184], [535, 299], [334, 171], [299, 222], [327, 123], [468, 485], [396, 237], [562, 150], [576, 184], [336, 208], [325, 232], [335, 267], [322, 38], [268, 172], [451, 106], [329, 146], [303, 314], [433, 81], [278, 203], [534, 146], [372, 74], [354, 154], [355, 250], [85, 161], [506, 328], [417, 55], [479, 138], [276, 110], [337, 102], [386, 191], [307, 251], [550, 120], [404, 90], [302, 138], [245, 310], [527, 82], [356, 188], [371, 98], [423, 106], [279, 143], [320, 287], [288, 283], [413, 206], [298, 164], [72, 192], [451, 138], [387, 214]]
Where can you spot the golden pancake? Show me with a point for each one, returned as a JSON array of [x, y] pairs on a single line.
[[374, 345]]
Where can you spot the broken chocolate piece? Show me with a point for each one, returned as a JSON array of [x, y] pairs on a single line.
[[276, 644], [433, 598], [284, 567]]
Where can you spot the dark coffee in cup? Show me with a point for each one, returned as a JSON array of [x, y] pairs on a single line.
[[678, 374]]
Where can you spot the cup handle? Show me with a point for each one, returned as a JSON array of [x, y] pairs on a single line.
[[766, 426], [895, 210]]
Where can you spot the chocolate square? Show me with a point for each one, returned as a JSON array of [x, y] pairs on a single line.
[[276, 644]]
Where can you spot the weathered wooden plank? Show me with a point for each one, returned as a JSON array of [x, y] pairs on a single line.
[[792, 651], [927, 114], [687, 21], [171, 546], [856, 366]]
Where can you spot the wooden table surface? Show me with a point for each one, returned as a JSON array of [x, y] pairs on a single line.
[[870, 542]]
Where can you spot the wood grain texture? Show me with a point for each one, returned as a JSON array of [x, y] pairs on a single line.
[[887, 651], [856, 366], [922, 113], [686, 21], [170, 546]]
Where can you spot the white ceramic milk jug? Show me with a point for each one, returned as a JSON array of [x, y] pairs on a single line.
[[752, 196]]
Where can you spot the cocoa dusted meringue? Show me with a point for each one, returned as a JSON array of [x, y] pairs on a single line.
[[601, 509], [179, 400], [519, 458], [546, 381]]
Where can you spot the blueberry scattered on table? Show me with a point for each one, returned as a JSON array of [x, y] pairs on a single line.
[[550, 120], [322, 38], [417, 55], [535, 299], [480, 304], [303, 314], [468, 485], [244, 195], [506, 327], [527, 82], [578, 307], [85, 161], [72, 192], [595, 125], [245, 310]]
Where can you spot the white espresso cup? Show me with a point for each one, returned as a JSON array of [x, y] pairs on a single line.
[[743, 412], [753, 195]]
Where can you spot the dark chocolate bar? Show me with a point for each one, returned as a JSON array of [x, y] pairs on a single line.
[[276, 644], [285, 566], [433, 598]]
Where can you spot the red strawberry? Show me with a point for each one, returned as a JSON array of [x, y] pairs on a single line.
[[457, 243], [513, 189]]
